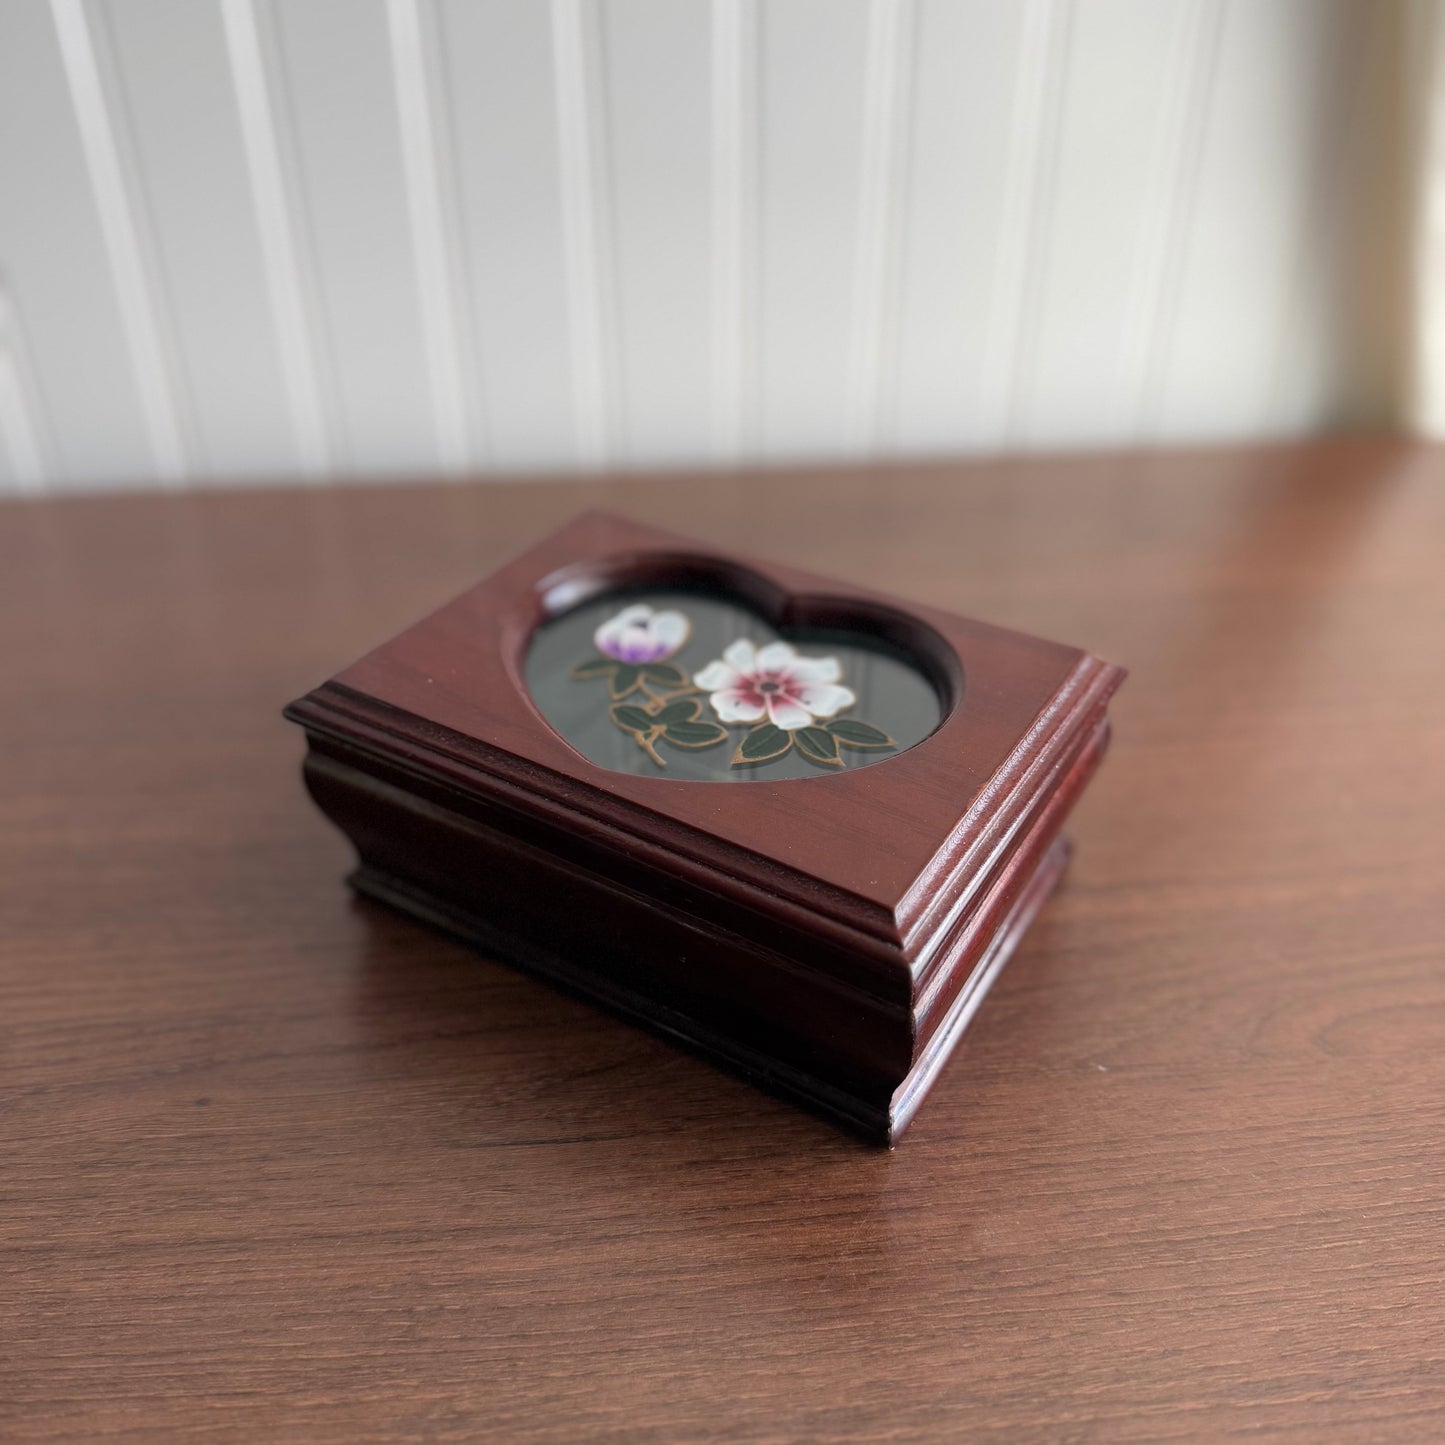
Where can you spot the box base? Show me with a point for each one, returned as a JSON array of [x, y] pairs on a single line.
[[878, 1122]]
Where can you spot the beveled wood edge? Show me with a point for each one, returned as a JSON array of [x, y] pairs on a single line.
[[911, 1093], [947, 887], [933, 985], [336, 714], [341, 767], [388, 734]]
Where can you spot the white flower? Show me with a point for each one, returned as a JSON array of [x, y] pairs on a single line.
[[749, 683], [638, 634]]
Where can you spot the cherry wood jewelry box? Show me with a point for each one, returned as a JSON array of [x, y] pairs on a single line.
[[789, 822]]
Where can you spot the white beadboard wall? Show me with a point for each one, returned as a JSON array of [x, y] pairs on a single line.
[[253, 239]]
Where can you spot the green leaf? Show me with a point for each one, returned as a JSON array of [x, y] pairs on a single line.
[[854, 734], [624, 680], [685, 709], [819, 746], [695, 734], [595, 667], [763, 744], [666, 674], [632, 719]]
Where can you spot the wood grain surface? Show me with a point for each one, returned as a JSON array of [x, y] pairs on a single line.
[[275, 1164]]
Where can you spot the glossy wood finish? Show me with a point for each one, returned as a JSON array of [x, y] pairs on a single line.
[[811, 933], [276, 1165]]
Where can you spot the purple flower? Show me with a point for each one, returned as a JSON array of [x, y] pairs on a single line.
[[638, 634]]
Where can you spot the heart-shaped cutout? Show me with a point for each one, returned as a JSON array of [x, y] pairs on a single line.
[[681, 677]]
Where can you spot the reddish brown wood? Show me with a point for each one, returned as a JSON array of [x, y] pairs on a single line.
[[279, 1166], [827, 937], [460, 669]]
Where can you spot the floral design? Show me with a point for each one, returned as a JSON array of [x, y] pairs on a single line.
[[749, 683], [787, 701], [651, 698], [633, 647], [638, 634]]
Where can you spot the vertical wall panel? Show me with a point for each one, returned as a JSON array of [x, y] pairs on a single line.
[[21, 468], [257, 238], [888, 112], [584, 161], [15, 479], [54, 262], [439, 255], [501, 93], [964, 86], [657, 76], [1268, 116], [278, 204], [12, 481], [27, 449], [1112, 105], [1190, 67], [1332, 356], [339, 82], [734, 163], [811, 124], [179, 94]]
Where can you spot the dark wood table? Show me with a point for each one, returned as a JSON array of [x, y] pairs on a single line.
[[275, 1164]]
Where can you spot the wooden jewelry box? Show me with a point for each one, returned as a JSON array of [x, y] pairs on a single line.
[[792, 823]]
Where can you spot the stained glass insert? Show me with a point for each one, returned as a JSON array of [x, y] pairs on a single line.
[[694, 687]]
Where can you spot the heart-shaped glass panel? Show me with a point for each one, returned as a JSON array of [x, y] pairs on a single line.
[[693, 686]]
